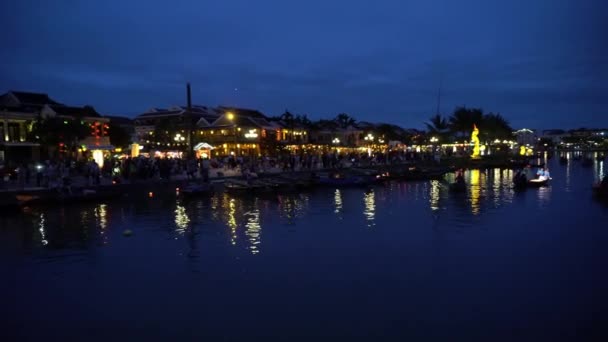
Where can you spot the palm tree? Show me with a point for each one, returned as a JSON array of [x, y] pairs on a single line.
[[289, 121], [437, 124], [495, 126], [463, 119]]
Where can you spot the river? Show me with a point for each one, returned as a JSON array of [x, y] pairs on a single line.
[[396, 261]]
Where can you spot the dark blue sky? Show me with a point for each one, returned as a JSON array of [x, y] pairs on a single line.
[[540, 63]]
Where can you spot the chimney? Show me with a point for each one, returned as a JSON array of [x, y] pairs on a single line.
[[189, 96]]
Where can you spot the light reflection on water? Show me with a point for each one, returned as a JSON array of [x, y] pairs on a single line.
[[232, 219], [435, 194], [338, 202], [181, 219], [253, 228], [370, 207], [488, 191], [475, 189], [41, 229]]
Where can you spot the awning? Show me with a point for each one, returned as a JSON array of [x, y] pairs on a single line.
[[203, 146], [100, 147], [24, 144]]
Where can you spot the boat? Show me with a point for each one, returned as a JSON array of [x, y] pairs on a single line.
[[194, 190], [587, 162], [415, 174], [9, 203], [342, 179], [458, 187], [521, 183], [599, 191], [81, 195], [251, 187], [538, 182]]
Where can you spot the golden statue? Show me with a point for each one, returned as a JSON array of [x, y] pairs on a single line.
[[475, 140]]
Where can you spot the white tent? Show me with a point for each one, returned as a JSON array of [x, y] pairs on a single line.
[[203, 146]]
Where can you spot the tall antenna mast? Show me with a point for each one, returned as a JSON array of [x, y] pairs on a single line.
[[439, 92]]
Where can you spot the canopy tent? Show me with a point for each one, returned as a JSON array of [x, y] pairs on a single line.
[[203, 146], [99, 147]]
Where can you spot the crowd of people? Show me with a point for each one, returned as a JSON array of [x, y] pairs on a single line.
[[63, 171]]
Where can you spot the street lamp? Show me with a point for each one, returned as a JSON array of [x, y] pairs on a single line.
[[434, 139], [336, 141], [230, 116], [178, 137]]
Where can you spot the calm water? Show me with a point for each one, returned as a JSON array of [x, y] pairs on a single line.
[[396, 261]]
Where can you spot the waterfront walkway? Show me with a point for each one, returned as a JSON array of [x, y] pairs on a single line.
[[80, 181]]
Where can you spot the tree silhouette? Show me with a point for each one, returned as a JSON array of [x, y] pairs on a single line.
[[463, 119], [495, 126], [344, 120]]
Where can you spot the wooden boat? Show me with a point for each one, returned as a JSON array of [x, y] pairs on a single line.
[[194, 190], [82, 195], [458, 187], [341, 179], [416, 174], [251, 187], [599, 191], [9, 203], [537, 183], [520, 183], [587, 162], [237, 188]]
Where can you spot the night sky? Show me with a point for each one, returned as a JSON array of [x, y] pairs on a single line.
[[540, 63]]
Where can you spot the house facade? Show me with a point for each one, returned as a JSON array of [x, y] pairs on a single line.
[[21, 111], [240, 131]]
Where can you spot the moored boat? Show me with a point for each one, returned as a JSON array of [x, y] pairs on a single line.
[[458, 187], [81, 195], [600, 191], [538, 182], [194, 190], [341, 179], [587, 162], [9, 203]]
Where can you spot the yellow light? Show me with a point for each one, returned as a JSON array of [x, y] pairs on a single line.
[[211, 132], [225, 145], [98, 157], [118, 149], [238, 145], [135, 150], [238, 129], [230, 116], [475, 140]]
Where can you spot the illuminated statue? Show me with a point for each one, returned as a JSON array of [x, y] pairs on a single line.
[[475, 140]]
